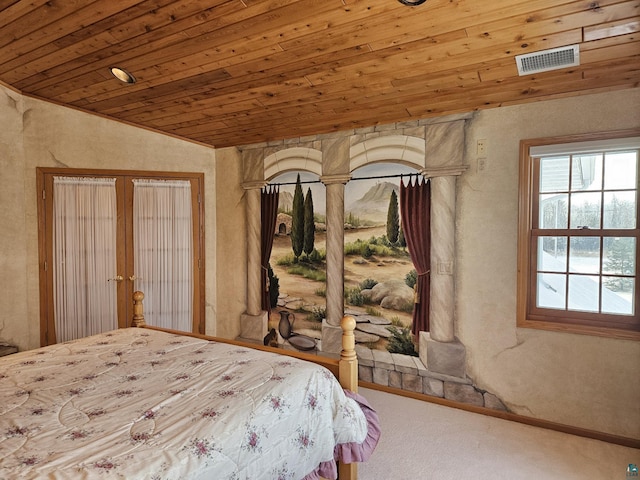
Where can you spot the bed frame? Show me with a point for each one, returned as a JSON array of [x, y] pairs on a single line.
[[345, 368]]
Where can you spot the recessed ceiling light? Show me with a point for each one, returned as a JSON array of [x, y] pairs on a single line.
[[122, 75]]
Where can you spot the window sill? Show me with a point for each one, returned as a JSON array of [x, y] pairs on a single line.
[[580, 329]]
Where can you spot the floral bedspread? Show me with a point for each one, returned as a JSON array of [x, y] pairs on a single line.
[[142, 404]]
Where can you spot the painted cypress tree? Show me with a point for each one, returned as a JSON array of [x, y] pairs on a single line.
[[309, 224], [297, 220], [401, 240], [274, 287], [393, 219]]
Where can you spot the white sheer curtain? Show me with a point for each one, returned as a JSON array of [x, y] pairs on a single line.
[[163, 251], [84, 250]]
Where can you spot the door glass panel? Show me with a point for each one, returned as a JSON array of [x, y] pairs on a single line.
[[163, 251], [84, 256]]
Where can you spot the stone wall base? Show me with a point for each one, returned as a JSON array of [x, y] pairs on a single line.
[[409, 373]]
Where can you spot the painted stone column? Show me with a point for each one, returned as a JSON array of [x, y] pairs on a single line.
[[331, 331], [253, 323], [444, 354]]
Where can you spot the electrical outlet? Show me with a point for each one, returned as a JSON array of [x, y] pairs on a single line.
[[482, 164], [482, 148]]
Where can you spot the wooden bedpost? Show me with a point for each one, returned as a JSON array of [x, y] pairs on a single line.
[[138, 313], [348, 360], [348, 372]]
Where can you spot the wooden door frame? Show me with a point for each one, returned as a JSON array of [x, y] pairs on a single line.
[[44, 182]]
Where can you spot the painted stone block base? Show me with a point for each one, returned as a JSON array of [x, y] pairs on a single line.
[[331, 338], [253, 327], [447, 358]]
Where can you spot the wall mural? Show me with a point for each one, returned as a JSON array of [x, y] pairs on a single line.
[[378, 273]]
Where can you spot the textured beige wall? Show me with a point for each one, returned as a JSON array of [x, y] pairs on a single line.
[[14, 324], [231, 259], [580, 380], [39, 134]]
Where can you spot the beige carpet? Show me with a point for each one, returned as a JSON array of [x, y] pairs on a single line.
[[421, 440]]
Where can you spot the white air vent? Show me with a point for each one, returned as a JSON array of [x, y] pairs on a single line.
[[546, 60]]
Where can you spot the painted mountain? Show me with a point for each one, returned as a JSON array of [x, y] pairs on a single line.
[[285, 201], [374, 204]]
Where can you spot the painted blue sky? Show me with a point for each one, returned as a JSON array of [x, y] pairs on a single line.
[[354, 190]]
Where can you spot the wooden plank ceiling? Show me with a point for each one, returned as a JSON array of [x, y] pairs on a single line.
[[237, 72]]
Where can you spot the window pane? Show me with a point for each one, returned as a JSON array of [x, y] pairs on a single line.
[[587, 172], [584, 293], [619, 256], [617, 295], [551, 290], [552, 254], [554, 174], [553, 211], [583, 237], [621, 170], [619, 210], [584, 255], [585, 210]]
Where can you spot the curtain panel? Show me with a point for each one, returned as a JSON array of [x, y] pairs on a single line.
[[415, 210], [269, 214], [84, 256], [163, 251]]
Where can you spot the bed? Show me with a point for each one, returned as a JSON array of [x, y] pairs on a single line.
[[147, 403]]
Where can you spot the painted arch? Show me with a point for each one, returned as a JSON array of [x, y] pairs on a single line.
[[402, 149]]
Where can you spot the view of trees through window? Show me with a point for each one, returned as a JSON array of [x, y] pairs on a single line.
[[586, 262], [378, 273]]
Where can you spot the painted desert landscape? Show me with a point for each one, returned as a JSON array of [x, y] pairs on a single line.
[[370, 261]]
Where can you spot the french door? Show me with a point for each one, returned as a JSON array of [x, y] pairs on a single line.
[[105, 234]]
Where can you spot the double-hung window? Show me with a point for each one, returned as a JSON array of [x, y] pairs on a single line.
[[578, 240]]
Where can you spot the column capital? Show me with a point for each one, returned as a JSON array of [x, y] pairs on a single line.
[[331, 179], [254, 184], [445, 171]]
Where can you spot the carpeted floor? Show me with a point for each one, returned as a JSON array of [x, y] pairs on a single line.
[[421, 440]]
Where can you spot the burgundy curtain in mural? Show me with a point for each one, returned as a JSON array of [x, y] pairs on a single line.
[[415, 211], [268, 214]]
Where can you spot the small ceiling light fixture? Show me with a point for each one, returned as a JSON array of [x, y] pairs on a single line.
[[122, 75], [412, 3]]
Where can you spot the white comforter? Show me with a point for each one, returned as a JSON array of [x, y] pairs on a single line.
[[142, 404]]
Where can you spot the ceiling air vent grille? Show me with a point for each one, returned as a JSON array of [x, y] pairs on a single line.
[[546, 60]]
